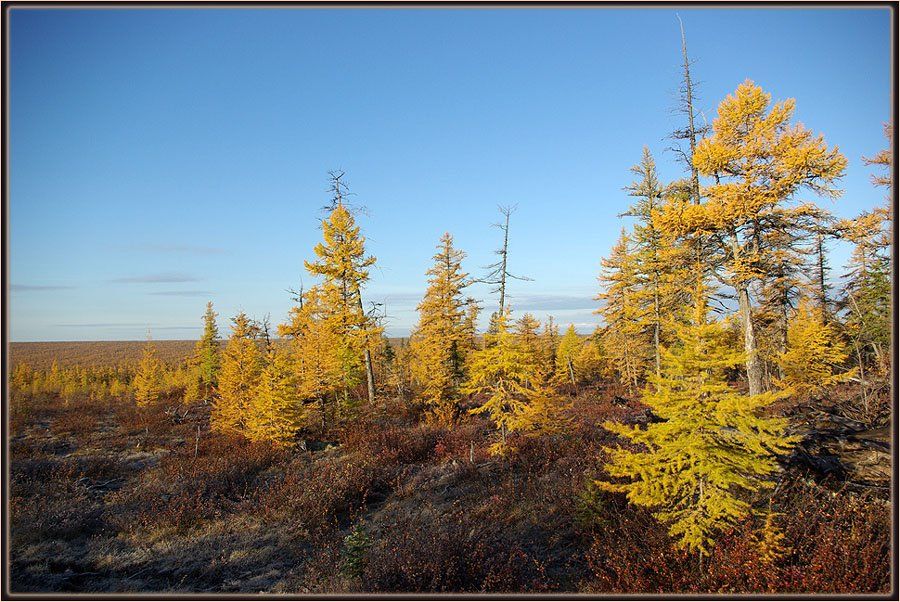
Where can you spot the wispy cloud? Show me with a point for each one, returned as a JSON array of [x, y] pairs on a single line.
[[129, 325], [176, 249], [400, 299], [164, 277], [539, 302], [23, 288], [101, 325], [182, 293]]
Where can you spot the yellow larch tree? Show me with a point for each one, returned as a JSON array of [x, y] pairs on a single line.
[[661, 272], [343, 265], [242, 364], [527, 332], [148, 380], [815, 356], [439, 341], [275, 412], [623, 336], [518, 399], [712, 446], [758, 161], [566, 355], [588, 363], [549, 343], [315, 352]]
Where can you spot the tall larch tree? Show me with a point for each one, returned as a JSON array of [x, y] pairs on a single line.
[[662, 287], [242, 364], [440, 340], [549, 343], [758, 161], [711, 448], [206, 358], [628, 347], [148, 380], [866, 295], [343, 266], [527, 329]]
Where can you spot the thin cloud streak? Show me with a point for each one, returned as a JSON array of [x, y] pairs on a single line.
[[541, 302], [101, 325], [176, 249], [182, 293], [125, 325], [164, 277], [24, 288]]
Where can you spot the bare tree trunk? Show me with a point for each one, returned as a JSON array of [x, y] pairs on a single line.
[[755, 372], [367, 357], [656, 319], [862, 377], [571, 370], [370, 377], [823, 293], [689, 109], [503, 263]]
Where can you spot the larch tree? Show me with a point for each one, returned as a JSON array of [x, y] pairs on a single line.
[[148, 380], [814, 356], [588, 362], [242, 364], [549, 343], [711, 448], [758, 161], [527, 330], [517, 396], [778, 291], [343, 266], [866, 294], [566, 355], [662, 276], [315, 350], [400, 377], [440, 339], [628, 347], [275, 412], [205, 360]]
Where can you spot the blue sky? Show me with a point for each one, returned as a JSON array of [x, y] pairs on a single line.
[[161, 158]]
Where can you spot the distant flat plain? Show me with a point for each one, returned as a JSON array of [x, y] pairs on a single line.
[[41, 355]]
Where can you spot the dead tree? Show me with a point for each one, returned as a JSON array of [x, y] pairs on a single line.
[[691, 132], [498, 272]]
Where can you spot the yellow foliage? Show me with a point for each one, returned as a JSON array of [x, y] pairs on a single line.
[[442, 338], [239, 374], [623, 336], [814, 356], [148, 381], [275, 412], [711, 448], [316, 349], [771, 540], [344, 268], [518, 398], [566, 355]]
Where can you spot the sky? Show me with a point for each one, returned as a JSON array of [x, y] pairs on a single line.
[[162, 158]]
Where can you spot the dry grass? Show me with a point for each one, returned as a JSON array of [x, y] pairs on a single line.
[[109, 498]]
